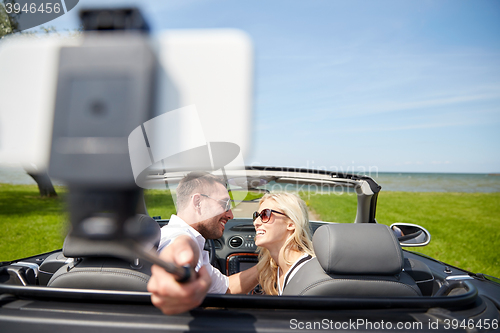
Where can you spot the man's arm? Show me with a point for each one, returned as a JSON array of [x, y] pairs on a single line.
[[243, 282], [170, 296]]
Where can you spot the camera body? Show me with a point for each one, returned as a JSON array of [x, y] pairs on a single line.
[[87, 108], [73, 101]]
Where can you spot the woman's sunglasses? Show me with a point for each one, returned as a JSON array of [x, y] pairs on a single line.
[[265, 215]]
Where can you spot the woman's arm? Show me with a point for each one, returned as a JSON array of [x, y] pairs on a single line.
[[243, 282]]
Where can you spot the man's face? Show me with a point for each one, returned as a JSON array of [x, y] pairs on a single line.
[[214, 214]]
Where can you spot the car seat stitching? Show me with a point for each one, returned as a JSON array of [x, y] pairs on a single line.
[[398, 249], [108, 272], [339, 280]]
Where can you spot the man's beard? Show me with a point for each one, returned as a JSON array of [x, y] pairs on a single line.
[[210, 230]]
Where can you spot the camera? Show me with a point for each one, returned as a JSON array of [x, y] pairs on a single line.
[[104, 110]]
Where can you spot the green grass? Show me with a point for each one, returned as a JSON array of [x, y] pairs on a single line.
[[159, 203], [465, 227], [250, 195], [30, 224], [333, 207]]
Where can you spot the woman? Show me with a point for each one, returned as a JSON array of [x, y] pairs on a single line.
[[284, 240]]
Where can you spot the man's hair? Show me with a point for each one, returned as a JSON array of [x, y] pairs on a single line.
[[194, 182]]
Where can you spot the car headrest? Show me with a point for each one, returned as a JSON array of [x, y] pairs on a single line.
[[358, 248], [76, 247]]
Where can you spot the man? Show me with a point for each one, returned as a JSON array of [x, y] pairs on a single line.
[[203, 209]]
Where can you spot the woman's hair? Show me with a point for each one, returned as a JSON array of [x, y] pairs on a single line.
[[295, 208]]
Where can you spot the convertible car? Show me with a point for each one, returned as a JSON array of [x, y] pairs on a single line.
[[361, 280]]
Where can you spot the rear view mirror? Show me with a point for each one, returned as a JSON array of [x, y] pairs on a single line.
[[411, 235]]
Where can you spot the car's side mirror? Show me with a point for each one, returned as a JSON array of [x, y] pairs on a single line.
[[411, 235]]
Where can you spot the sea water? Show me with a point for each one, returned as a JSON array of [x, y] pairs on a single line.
[[438, 182], [16, 175], [393, 181]]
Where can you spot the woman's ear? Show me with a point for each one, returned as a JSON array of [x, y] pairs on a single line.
[[290, 226]]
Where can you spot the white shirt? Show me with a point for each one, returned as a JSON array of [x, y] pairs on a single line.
[[177, 227], [291, 272]]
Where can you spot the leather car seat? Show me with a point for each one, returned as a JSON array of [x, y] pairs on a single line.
[[96, 264], [354, 260]]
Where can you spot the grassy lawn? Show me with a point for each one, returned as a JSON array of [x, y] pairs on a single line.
[[30, 224], [159, 203], [465, 227]]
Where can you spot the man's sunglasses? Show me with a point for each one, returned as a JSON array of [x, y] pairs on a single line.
[[265, 215], [226, 204]]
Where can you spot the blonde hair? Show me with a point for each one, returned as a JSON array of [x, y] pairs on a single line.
[[295, 208]]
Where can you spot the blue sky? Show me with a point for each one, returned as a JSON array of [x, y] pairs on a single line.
[[389, 86]]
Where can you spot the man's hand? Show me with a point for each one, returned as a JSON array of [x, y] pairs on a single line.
[[170, 296]]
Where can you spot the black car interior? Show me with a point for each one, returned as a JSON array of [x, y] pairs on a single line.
[[353, 260], [341, 277], [95, 265]]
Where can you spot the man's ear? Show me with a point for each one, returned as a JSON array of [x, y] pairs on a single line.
[[196, 202]]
